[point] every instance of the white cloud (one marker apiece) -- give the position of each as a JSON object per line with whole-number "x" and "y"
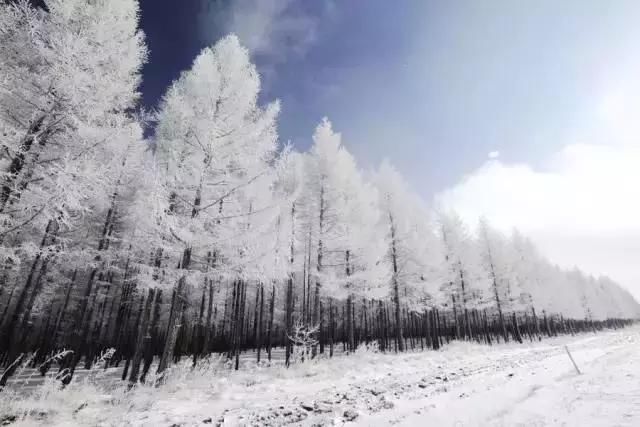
{"x": 583, "y": 209}
{"x": 494, "y": 154}
{"x": 585, "y": 188}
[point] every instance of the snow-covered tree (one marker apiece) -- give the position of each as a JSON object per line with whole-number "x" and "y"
{"x": 67, "y": 91}
{"x": 215, "y": 146}
{"x": 340, "y": 213}
{"x": 402, "y": 220}
{"x": 495, "y": 255}
{"x": 163, "y": 243}
{"x": 463, "y": 282}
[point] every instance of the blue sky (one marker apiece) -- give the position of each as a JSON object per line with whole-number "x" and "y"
{"x": 435, "y": 86}
{"x": 432, "y": 85}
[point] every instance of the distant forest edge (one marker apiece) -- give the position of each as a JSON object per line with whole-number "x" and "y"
{"x": 210, "y": 236}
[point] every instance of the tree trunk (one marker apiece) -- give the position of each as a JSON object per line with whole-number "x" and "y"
{"x": 261, "y": 325}
{"x": 255, "y": 318}
{"x": 206, "y": 345}
{"x": 288, "y": 319}
{"x": 233, "y": 320}
{"x": 198, "y": 332}
{"x": 26, "y": 317}
{"x": 396, "y": 286}
{"x": 173, "y": 326}
{"x": 331, "y": 327}
{"x": 18, "y": 162}
{"x": 10, "y": 329}
{"x": 270, "y": 328}
{"x": 241, "y": 322}
{"x": 153, "y": 335}
{"x": 142, "y": 339}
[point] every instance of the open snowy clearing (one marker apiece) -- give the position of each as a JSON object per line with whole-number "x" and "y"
{"x": 462, "y": 385}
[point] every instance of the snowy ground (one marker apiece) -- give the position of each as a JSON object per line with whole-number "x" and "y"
{"x": 462, "y": 385}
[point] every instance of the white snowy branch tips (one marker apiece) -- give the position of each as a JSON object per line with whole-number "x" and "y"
{"x": 64, "y": 119}
{"x": 215, "y": 148}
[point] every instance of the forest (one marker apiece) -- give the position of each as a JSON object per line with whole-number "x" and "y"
{"x": 155, "y": 236}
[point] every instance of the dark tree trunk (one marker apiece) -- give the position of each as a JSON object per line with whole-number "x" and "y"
{"x": 19, "y": 160}
{"x": 10, "y": 329}
{"x": 331, "y": 327}
{"x": 270, "y": 327}
{"x": 153, "y": 335}
{"x": 261, "y": 325}
{"x": 206, "y": 345}
{"x": 396, "y": 286}
{"x": 288, "y": 318}
{"x": 198, "y": 332}
{"x": 234, "y": 319}
{"x": 316, "y": 301}
{"x": 143, "y": 339}
{"x": 172, "y": 326}
{"x": 241, "y": 322}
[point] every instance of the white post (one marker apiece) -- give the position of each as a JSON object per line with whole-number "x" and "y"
{"x": 572, "y": 361}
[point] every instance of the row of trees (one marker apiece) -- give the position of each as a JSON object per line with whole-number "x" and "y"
{"x": 210, "y": 235}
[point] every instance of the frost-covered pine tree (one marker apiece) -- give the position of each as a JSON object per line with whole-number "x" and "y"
{"x": 495, "y": 256}
{"x": 67, "y": 90}
{"x": 340, "y": 212}
{"x": 215, "y": 146}
{"x": 527, "y": 265}
{"x": 321, "y": 204}
{"x": 401, "y": 218}
{"x": 462, "y": 281}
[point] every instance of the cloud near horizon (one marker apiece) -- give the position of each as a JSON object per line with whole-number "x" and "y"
{"x": 582, "y": 204}
{"x": 582, "y": 208}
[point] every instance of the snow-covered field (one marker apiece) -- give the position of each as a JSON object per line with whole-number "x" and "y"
{"x": 462, "y": 385}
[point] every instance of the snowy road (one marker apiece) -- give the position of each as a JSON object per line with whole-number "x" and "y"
{"x": 463, "y": 385}
{"x": 469, "y": 385}
{"x": 535, "y": 388}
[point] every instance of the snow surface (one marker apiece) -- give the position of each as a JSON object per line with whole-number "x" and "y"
{"x": 462, "y": 385}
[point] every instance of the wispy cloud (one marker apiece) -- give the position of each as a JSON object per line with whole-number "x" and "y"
{"x": 271, "y": 29}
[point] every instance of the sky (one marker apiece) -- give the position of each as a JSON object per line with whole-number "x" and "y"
{"x": 525, "y": 112}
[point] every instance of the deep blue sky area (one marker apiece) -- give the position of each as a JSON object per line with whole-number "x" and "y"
{"x": 434, "y": 86}
{"x": 172, "y": 36}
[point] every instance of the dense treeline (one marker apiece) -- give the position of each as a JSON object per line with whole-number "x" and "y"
{"x": 210, "y": 236}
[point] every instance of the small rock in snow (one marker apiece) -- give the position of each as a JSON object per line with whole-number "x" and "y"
{"x": 306, "y": 406}
{"x": 350, "y": 415}
{"x": 207, "y": 420}
{"x": 8, "y": 419}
